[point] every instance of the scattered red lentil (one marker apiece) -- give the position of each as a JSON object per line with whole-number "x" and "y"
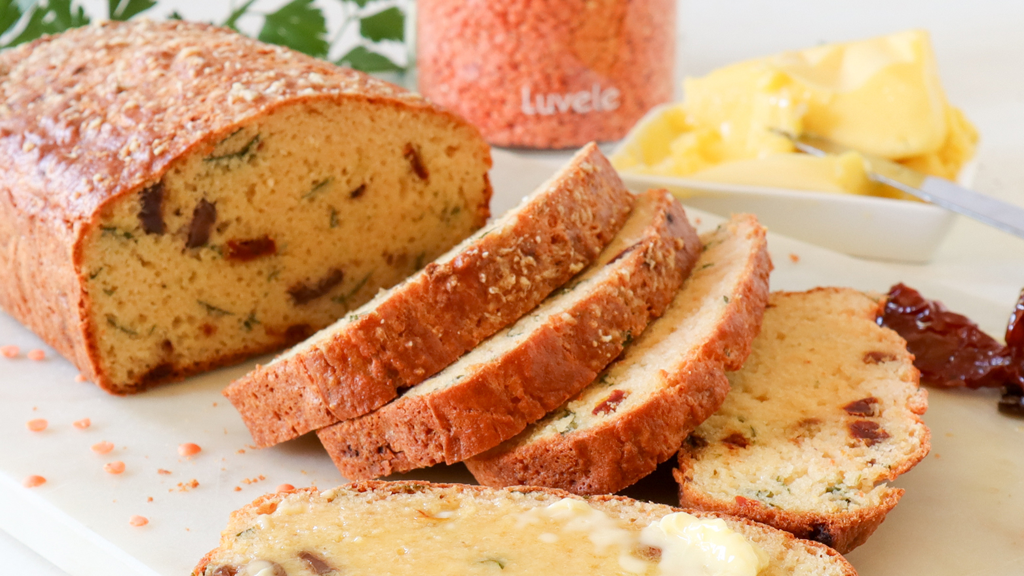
{"x": 794, "y": 257}
{"x": 240, "y": 451}
{"x": 149, "y": 499}
{"x": 285, "y": 488}
{"x": 253, "y": 480}
{"x": 162, "y": 471}
{"x": 82, "y": 424}
{"x": 115, "y": 467}
{"x": 186, "y": 486}
{"x": 547, "y": 73}
{"x": 10, "y": 351}
{"x": 37, "y": 425}
{"x": 33, "y": 481}
{"x": 238, "y": 488}
{"x": 189, "y": 449}
{"x": 138, "y": 521}
{"x": 81, "y": 378}
{"x": 36, "y": 355}
{"x": 102, "y": 447}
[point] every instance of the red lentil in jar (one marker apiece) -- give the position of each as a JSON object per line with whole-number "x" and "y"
{"x": 547, "y": 73}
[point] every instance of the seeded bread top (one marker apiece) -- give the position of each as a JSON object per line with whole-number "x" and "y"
{"x": 101, "y": 111}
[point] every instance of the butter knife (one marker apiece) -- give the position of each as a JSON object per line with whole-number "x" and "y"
{"x": 938, "y": 191}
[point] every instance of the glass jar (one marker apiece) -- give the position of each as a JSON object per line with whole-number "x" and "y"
{"x": 547, "y": 73}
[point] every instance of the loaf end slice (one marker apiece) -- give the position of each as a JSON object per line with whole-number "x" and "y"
{"x": 410, "y": 333}
{"x": 176, "y": 196}
{"x": 521, "y": 373}
{"x": 636, "y": 414}
{"x": 357, "y": 528}
{"x": 825, "y": 412}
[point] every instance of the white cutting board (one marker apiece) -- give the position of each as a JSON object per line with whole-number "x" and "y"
{"x": 963, "y": 513}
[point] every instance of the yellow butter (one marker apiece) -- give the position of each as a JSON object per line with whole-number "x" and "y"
{"x": 881, "y": 96}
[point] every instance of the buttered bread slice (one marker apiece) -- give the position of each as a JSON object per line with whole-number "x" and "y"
{"x": 175, "y": 196}
{"x": 521, "y": 373}
{"x": 636, "y": 414}
{"x": 825, "y": 412}
{"x": 422, "y": 529}
{"x": 409, "y": 333}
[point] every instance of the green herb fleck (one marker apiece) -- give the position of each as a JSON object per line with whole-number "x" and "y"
{"x": 213, "y": 310}
{"x": 97, "y": 272}
{"x": 353, "y": 317}
{"x": 708, "y": 265}
{"x": 246, "y": 532}
{"x": 112, "y": 321}
{"x": 248, "y": 148}
{"x": 114, "y": 232}
{"x": 726, "y": 298}
{"x": 273, "y": 274}
{"x": 499, "y": 561}
{"x": 317, "y": 187}
{"x": 334, "y": 217}
{"x": 249, "y": 322}
{"x": 343, "y": 298}
{"x": 109, "y": 291}
{"x": 628, "y": 339}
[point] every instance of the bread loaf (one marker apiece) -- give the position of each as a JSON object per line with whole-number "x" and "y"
{"x": 637, "y": 413}
{"x": 823, "y": 415}
{"x": 519, "y": 374}
{"x": 410, "y": 333}
{"x": 422, "y": 529}
{"x": 175, "y": 196}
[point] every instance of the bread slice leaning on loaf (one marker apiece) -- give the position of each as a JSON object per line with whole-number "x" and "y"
{"x": 408, "y": 334}
{"x": 175, "y": 196}
{"x": 825, "y": 412}
{"x": 423, "y": 529}
{"x": 636, "y": 414}
{"x": 520, "y": 373}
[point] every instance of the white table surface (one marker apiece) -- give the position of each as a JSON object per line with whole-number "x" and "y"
{"x": 981, "y": 54}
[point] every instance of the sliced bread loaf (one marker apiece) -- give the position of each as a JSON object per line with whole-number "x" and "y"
{"x": 521, "y": 373}
{"x": 422, "y": 529}
{"x": 409, "y": 333}
{"x": 636, "y": 414}
{"x": 823, "y": 414}
{"x": 176, "y": 196}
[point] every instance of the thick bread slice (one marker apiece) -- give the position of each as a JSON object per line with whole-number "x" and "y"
{"x": 408, "y": 334}
{"x": 637, "y": 413}
{"x": 423, "y": 529}
{"x": 825, "y": 411}
{"x": 518, "y": 375}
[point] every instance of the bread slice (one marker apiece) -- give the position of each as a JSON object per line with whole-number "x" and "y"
{"x": 175, "y": 196}
{"x": 423, "y": 529}
{"x": 823, "y": 414}
{"x": 521, "y": 373}
{"x": 408, "y": 334}
{"x": 636, "y": 414}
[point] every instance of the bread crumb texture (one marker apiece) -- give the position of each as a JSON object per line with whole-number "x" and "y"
{"x": 417, "y": 528}
{"x": 824, "y": 413}
{"x": 216, "y": 197}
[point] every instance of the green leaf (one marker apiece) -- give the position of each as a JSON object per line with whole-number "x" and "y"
{"x": 175, "y": 15}
{"x": 50, "y": 18}
{"x": 10, "y": 13}
{"x": 124, "y": 9}
{"x": 298, "y": 25}
{"x": 232, "y": 20}
{"x": 362, "y": 59}
{"x": 384, "y": 25}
